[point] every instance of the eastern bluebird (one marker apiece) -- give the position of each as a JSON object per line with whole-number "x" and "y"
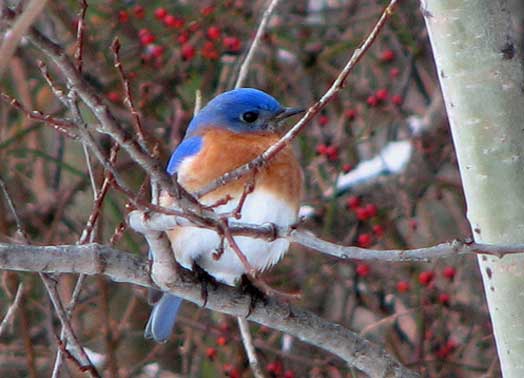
{"x": 231, "y": 130}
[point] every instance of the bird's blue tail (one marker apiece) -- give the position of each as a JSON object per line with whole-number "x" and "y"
{"x": 162, "y": 320}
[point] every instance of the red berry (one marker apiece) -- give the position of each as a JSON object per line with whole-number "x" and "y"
{"x": 372, "y": 210}
{"x": 332, "y": 153}
{"x": 213, "y": 32}
{"x": 206, "y": 11}
{"x": 353, "y": 202}
{"x": 445, "y": 350}
{"x": 172, "y": 22}
{"x": 394, "y": 72}
{"x": 346, "y": 168}
{"x": 157, "y": 51}
{"x": 382, "y": 94}
{"x": 364, "y": 240}
{"x": 289, "y": 374}
{"x": 211, "y": 353}
{"x": 147, "y": 38}
{"x": 188, "y": 51}
{"x": 321, "y": 149}
{"x": 378, "y": 230}
{"x": 372, "y": 101}
{"x": 183, "y": 37}
{"x": 231, "y": 371}
{"x": 209, "y": 51}
{"x": 451, "y": 345}
{"x": 443, "y": 299}
{"x": 113, "y": 96}
{"x": 387, "y": 56}
{"x": 403, "y": 286}
{"x": 350, "y": 114}
{"x": 425, "y": 277}
{"x": 160, "y": 13}
{"x": 323, "y": 120}
{"x": 221, "y": 340}
{"x": 449, "y": 272}
{"x": 397, "y": 100}
{"x": 139, "y": 11}
{"x": 362, "y": 214}
{"x": 123, "y": 16}
{"x": 362, "y": 269}
{"x": 274, "y": 368}
{"x": 231, "y": 44}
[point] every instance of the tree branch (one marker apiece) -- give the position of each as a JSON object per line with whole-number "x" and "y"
{"x": 157, "y": 222}
{"x": 124, "y": 267}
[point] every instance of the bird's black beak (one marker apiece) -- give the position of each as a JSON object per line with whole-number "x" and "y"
{"x": 286, "y": 113}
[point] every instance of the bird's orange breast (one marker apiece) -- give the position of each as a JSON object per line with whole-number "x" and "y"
{"x": 223, "y": 150}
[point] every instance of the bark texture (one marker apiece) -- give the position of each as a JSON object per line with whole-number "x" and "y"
{"x": 481, "y": 76}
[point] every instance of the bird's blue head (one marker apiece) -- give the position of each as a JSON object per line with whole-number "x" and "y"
{"x": 241, "y": 110}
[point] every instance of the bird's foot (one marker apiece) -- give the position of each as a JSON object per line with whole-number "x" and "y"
{"x": 255, "y": 293}
{"x": 185, "y": 275}
{"x": 205, "y": 279}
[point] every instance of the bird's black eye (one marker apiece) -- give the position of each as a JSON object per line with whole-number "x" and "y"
{"x": 249, "y": 117}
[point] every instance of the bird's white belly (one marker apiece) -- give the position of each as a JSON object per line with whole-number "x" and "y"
{"x": 192, "y": 244}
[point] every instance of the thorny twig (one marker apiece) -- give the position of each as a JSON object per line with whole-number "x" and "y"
{"x": 61, "y": 125}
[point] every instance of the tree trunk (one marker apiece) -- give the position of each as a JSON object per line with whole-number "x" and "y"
{"x": 481, "y": 76}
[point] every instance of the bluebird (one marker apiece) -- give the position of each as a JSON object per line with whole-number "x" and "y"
{"x": 232, "y": 129}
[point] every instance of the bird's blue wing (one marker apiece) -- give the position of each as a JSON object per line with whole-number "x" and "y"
{"x": 162, "y": 319}
{"x": 189, "y": 147}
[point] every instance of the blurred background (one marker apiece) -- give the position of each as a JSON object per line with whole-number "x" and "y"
{"x": 380, "y": 172}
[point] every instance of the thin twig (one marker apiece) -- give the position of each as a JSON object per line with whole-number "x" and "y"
{"x": 90, "y": 170}
{"x": 9, "y": 316}
{"x": 128, "y": 97}
{"x": 244, "y": 68}
{"x": 160, "y": 222}
{"x": 243, "y": 325}
{"x": 61, "y": 125}
{"x": 80, "y": 29}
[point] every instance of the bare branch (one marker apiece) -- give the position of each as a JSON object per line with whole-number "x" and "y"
{"x": 243, "y": 325}
{"x": 124, "y": 267}
{"x": 128, "y": 98}
{"x": 161, "y": 222}
{"x": 258, "y": 36}
{"x": 61, "y": 125}
{"x": 9, "y": 316}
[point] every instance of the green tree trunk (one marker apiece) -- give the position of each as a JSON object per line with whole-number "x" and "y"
{"x": 481, "y": 76}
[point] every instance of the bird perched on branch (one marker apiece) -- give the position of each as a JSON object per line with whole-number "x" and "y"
{"x": 230, "y": 131}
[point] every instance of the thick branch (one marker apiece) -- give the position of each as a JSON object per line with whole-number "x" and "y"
{"x": 124, "y": 267}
